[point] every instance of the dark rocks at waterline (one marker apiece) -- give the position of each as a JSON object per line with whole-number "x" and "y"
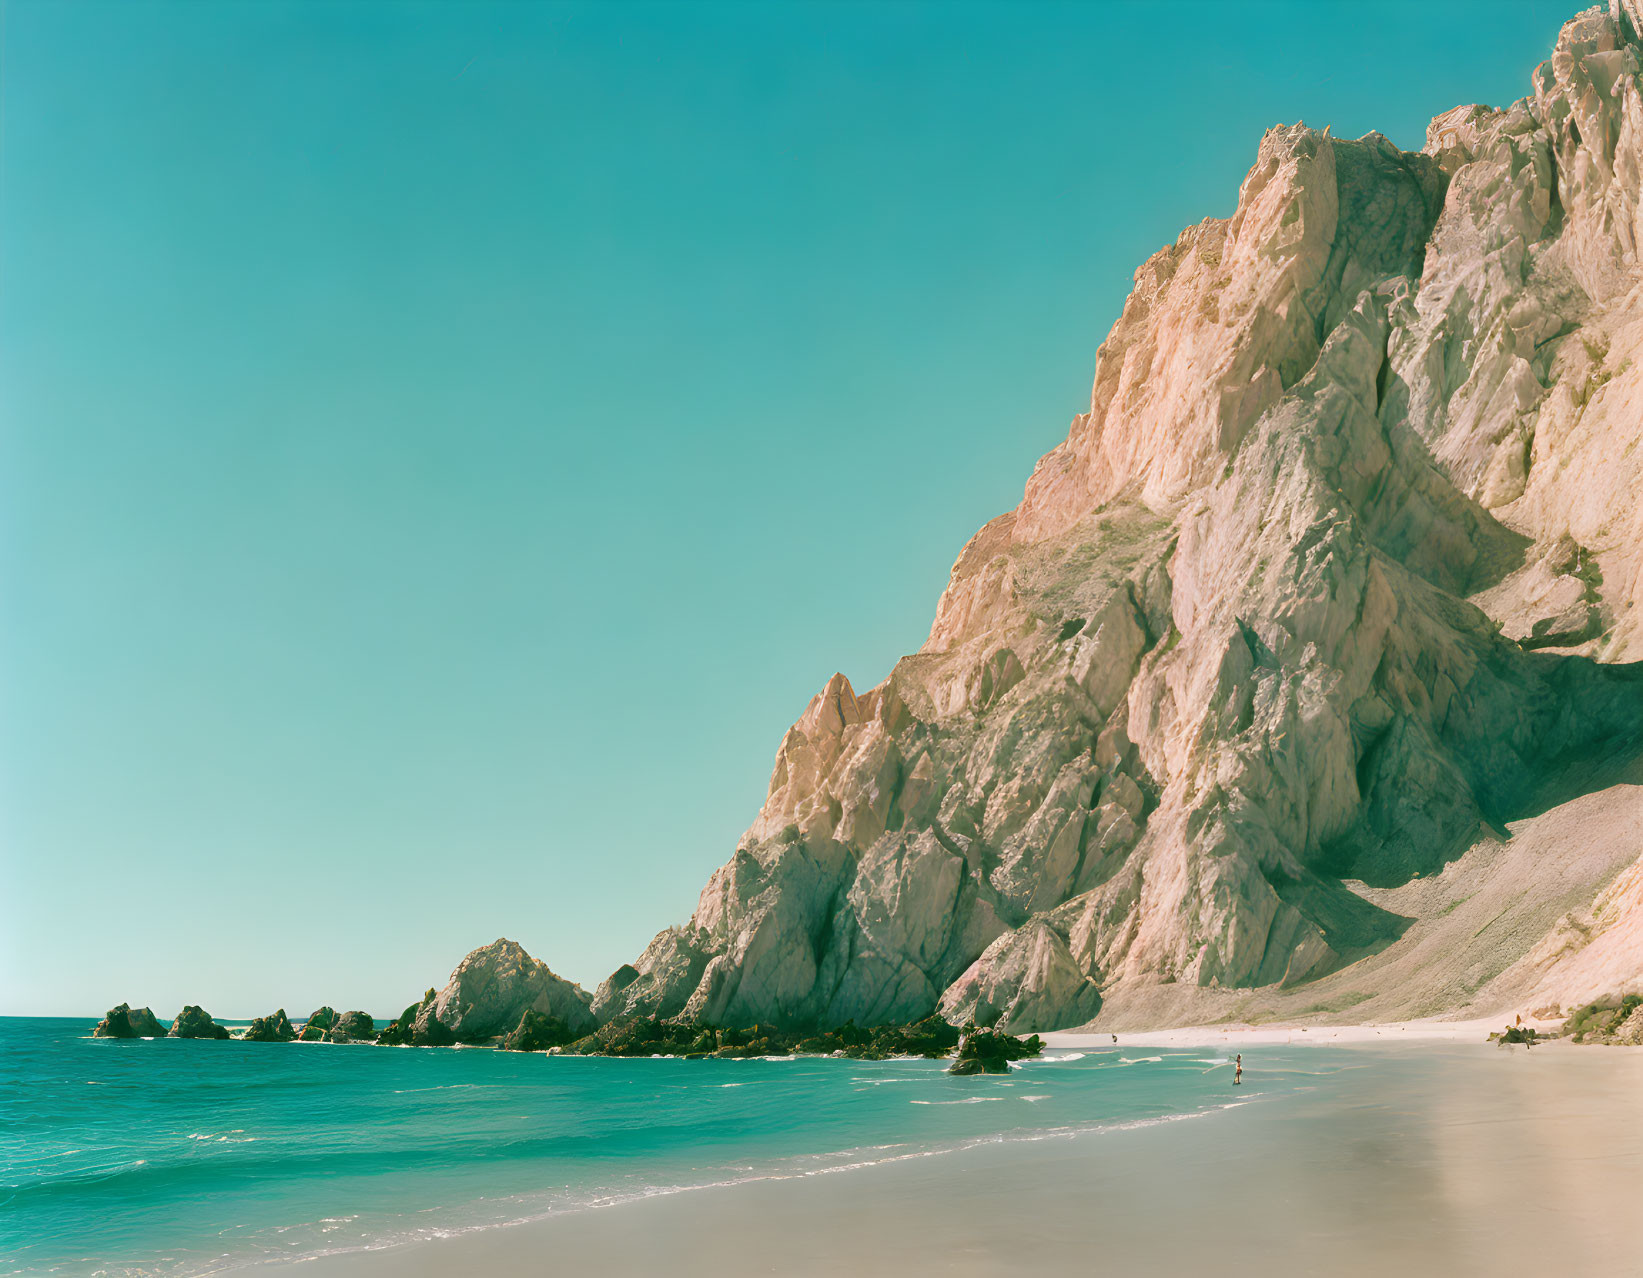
{"x": 270, "y": 1029}
{"x": 643, "y": 1036}
{"x": 980, "y": 1051}
{"x": 537, "y": 1032}
{"x": 649, "y": 1036}
{"x": 493, "y": 987}
{"x": 196, "y": 1022}
{"x": 327, "y": 1025}
{"x": 125, "y": 1021}
{"x": 931, "y": 1037}
{"x": 984, "y": 1051}
{"x": 318, "y": 1025}
{"x": 352, "y": 1027}
{"x": 397, "y": 1032}
{"x": 416, "y": 1026}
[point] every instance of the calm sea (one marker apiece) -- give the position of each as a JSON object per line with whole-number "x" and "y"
{"x": 172, "y": 1157}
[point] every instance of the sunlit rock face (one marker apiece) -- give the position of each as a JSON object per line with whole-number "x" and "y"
{"x": 493, "y": 987}
{"x": 1342, "y": 561}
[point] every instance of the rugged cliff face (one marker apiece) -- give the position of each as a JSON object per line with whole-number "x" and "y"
{"x": 1335, "y": 581}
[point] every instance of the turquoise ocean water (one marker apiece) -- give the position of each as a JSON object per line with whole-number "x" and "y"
{"x": 174, "y": 1158}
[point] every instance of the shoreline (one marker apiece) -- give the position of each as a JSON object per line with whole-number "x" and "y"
{"x": 1233, "y": 1034}
{"x": 1478, "y": 1157}
{"x": 1093, "y": 1170}
{"x": 1430, "y": 1030}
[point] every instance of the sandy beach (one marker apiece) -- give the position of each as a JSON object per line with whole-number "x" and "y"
{"x": 1417, "y": 1156}
{"x": 1237, "y": 1037}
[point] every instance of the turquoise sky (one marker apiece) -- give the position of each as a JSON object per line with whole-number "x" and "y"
{"x": 442, "y": 448}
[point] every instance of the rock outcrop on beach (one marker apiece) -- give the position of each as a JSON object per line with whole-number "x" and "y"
{"x": 196, "y": 1022}
{"x": 270, "y": 1029}
{"x": 128, "y": 1022}
{"x": 493, "y": 987}
{"x": 1615, "y": 1020}
{"x": 1332, "y": 591}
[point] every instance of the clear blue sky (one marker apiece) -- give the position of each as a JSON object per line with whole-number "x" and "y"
{"x": 442, "y": 448}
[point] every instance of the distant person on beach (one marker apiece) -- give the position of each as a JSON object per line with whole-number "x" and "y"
{"x": 1238, "y": 1069}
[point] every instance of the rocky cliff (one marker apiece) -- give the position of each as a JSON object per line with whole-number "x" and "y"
{"x": 1332, "y": 589}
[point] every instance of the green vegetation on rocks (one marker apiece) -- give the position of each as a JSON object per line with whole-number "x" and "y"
{"x": 318, "y": 1025}
{"x": 196, "y": 1022}
{"x": 648, "y": 1036}
{"x": 123, "y": 1022}
{"x": 352, "y": 1027}
{"x": 126, "y": 1022}
{"x": 985, "y": 1051}
{"x": 537, "y": 1032}
{"x": 1606, "y": 1020}
{"x": 270, "y": 1029}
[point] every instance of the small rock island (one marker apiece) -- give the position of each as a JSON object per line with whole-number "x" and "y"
{"x": 499, "y": 996}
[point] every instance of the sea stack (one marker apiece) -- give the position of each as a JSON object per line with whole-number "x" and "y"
{"x": 318, "y": 1025}
{"x": 128, "y": 1022}
{"x": 491, "y": 990}
{"x": 352, "y": 1027}
{"x": 270, "y": 1029}
{"x": 196, "y": 1022}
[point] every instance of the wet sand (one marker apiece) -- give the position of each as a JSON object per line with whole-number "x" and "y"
{"x": 1414, "y": 1159}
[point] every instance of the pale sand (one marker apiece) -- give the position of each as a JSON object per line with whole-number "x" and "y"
{"x": 1426, "y": 1160}
{"x": 1238, "y": 1036}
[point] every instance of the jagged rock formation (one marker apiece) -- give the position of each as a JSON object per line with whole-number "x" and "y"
{"x": 196, "y": 1022}
{"x": 352, "y": 1027}
{"x": 128, "y": 1022}
{"x": 412, "y": 1029}
{"x": 491, "y": 990}
{"x": 1340, "y": 565}
{"x": 537, "y": 1032}
{"x": 984, "y": 1051}
{"x": 318, "y": 1025}
{"x": 270, "y": 1029}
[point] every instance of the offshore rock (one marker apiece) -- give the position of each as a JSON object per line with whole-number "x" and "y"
{"x": 1342, "y": 563}
{"x": 984, "y": 1051}
{"x": 352, "y": 1027}
{"x": 196, "y": 1022}
{"x": 127, "y": 1022}
{"x": 318, "y": 1025}
{"x": 270, "y": 1029}
{"x": 493, "y": 987}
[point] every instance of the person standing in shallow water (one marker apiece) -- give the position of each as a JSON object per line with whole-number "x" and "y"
{"x": 1238, "y": 1069}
